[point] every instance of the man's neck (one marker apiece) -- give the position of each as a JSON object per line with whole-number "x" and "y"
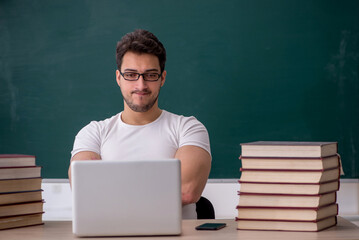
{"x": 131, "y": 117}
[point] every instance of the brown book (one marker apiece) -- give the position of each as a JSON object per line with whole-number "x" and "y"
{"x": 287, "y": 213}
{"x": 20, "y": 185}
{"x": 289, "y": 188}
{"x": 290, "y": 163}
{"x": 282, "y": 200}
{"x": 20, "y": 197}
{"x": 21, "y": 209}
{"x": 20, "y": 172}
{"x": 303, "y": 226}
{"x": 16, "y": 160}
{"x": 289, "y": 176}
{"x": 20, "y": 221}
{"x": 289, "y": 149}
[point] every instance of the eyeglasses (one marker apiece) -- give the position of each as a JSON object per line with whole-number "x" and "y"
{"x": 132, "y": 76}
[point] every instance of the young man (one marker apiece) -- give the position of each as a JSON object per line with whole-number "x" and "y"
{"x": 142, "y": 130}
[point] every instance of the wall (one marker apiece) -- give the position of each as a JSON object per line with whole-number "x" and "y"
{"x": 222, "y": 194}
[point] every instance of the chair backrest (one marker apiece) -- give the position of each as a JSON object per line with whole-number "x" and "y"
{"x": 204, "y": 209}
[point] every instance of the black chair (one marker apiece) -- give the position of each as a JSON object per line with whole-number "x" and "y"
{"x": 204, "y": 209}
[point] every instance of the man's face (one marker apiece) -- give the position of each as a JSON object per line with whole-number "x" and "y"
{"x": 140, "y": 95}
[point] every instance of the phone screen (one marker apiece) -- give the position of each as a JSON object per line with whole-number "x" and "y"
{"x": 211, "y": 226}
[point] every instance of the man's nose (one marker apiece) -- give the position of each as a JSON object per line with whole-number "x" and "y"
{"x": 141, "y": 83}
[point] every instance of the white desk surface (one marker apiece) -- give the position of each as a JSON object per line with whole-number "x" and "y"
{"x": 59, "y": 230}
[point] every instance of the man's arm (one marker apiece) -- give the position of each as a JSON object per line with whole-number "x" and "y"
{"x": 86, "y": 155}
{"x": 195, "y": 168}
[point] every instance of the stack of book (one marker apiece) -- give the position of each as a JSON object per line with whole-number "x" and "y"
{"x": 288, "y": 186}
{"x": 21, "y": 202}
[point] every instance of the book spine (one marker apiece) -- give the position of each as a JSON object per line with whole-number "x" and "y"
{"x": 16, "y": 156}
{"x": 288, "y": 170}
{"x": 287, "y": 208}
{"x": 288, "y": 158}
{"x": 27, "y": 191}
{"x": 26, "y": 214}
{"x": 294, "y": 183}
{"x": 280, "y": 220}
{"x": 285, "y": 195}
{"x": 20, "y": 167}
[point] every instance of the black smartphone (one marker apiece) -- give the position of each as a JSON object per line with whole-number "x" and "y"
{"x": 211, "y": 226}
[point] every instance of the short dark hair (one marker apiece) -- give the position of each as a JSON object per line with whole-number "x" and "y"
{"x": 140, "y": 41}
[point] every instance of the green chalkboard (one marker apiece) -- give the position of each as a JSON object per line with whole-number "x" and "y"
{"x": 249, "y": 70}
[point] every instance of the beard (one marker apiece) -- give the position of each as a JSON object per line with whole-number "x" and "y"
{"x": 141, "y": 108}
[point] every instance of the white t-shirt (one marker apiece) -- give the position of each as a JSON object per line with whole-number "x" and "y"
{"x": 115, "y": 140}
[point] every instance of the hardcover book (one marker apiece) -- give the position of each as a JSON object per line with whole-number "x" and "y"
{"x": 289, "y": 149}
{"x": 16, "y": 160}
{"x": 20, "y": 221}
{"x": 282, "y": 200}
{"x": 289, "y": 176}
{"x": 304, "y": 226}
{"x": 20, "y": 185}
{"x": 21, "y": 209}
{"x": 289, "y": 188}
{"x": 20, "y": 197}
{"x": 290, "y": 163}
{"x": 287, "y": 213}
{"x": 20, "y": 172}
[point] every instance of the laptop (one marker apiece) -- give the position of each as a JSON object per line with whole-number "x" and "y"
{"x": 126, "y": 198}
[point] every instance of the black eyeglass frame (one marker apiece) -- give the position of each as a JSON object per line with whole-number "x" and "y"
{"x": 143, "y": 76}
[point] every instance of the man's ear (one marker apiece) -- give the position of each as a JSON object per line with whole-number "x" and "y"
{"x": 163, "y": 77}
{"x": 118, "y": 77}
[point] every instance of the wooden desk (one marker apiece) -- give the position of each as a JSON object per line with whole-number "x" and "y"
{"x": 57, "y": 230}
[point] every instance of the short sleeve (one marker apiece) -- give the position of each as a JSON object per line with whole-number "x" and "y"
{"x": 88, "y": 139}
{"x": 193, "y": 132}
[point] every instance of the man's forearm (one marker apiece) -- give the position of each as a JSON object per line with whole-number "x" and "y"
{"x": 195, "y": 168}
{"x": 87, "y": 155}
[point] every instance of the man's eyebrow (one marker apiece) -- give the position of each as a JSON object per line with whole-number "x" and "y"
{"x": 130, "y": 70}
{"x": 147, "y": 70}
{"x": 152, "y": 70}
